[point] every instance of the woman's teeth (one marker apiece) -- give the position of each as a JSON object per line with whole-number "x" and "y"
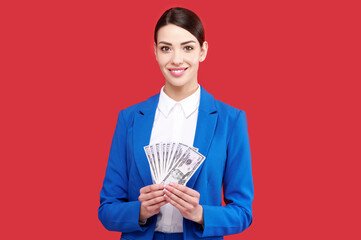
{"x": 178, "y": 72}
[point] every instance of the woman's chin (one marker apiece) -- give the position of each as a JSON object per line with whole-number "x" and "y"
{"x": 175, "y": 84}
{"x": 178, "y": 83}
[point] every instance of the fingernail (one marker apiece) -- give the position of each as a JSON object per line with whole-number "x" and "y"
{"x": 172, "y": 184}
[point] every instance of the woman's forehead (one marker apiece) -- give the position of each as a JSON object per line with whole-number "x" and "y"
{"x": 174, "y": 34}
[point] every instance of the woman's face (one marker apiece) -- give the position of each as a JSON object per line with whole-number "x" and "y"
{"x": 178, "y": 54}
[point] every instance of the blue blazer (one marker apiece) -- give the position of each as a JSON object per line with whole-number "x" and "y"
{"x": 221, "y": 136}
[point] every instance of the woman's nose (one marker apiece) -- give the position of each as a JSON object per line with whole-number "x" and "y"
{"x": 177, "y": 58}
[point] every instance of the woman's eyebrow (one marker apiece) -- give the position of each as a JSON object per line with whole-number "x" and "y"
{"x": 183, "y": 43}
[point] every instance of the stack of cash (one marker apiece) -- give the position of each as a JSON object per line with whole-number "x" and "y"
{"x": 173, "y": 162}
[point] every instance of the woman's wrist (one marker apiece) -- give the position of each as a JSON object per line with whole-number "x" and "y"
{"x": 142, "y": 222}
{"x": 199, "y": 218}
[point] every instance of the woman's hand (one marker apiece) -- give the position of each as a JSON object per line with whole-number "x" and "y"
{"x": 151, "y": 198}
{"x": 186, "y": 200}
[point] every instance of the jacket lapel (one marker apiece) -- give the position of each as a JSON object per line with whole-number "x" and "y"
{"x": 143, "y": 124}
{"x": 206, "y": 125}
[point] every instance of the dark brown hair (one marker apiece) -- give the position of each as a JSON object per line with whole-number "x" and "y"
{"x": 183, "y": 18}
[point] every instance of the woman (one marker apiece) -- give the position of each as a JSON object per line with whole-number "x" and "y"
{"x": 183, "y": 112}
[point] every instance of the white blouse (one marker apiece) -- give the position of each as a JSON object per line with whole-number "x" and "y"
{"x": 174, "y": 122}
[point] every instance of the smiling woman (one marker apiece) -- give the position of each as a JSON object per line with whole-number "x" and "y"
{"x": 178, "y": 53}
{"x": 184, "y": 114}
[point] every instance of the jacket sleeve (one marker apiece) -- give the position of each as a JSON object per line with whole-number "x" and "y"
{"x": 116, "y": 212}
{"x": 236, "y": 216}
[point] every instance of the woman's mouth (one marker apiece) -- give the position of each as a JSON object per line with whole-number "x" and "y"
{"x": 177, "y": 72}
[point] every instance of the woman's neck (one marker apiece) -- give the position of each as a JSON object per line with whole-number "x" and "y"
{"x": 178, "y": 93}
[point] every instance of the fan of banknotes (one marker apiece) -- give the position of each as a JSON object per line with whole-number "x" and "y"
{"x": 173, "y": 162}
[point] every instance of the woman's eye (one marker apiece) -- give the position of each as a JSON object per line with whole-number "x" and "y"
{"x": 188, "y": 48}
{"x": 164, "y": 48}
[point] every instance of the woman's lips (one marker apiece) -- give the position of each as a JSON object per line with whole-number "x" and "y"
{"x": 177, "y": 72}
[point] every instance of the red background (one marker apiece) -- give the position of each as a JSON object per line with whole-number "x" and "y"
{"x": 68, "y": 67}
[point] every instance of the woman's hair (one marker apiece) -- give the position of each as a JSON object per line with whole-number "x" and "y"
{"x": 183, "y": 18}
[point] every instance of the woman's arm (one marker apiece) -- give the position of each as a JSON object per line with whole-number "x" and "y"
{"x": 236, "y": 216}
{"x": 116, "y": 212}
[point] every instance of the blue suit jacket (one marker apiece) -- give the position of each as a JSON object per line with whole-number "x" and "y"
{"x": 221, "y": 135}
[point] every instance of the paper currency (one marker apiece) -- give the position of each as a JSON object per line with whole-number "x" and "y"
{"x": 185, "y": 167}
{"x": 173, "y": 162}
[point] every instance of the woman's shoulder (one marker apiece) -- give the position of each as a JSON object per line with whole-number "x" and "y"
{"x": 227, "y": 108}
{"x": 230, "y": 113}
{"x": 222, "y": 108}
{"x": 139, "y": 108}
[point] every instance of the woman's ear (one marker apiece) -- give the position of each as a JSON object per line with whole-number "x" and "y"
{"x": 204, "y": 51}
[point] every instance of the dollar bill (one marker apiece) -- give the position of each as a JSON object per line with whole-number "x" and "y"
{"x": 172, "y": 162}
{"x": 172, "y": 149}
{"x": 185, "y": 167}
{"x": 163, "y": 156}
{"x": 181, "y": 148}
{"x": 155, "y": 161}
{"x": 151, "y": 163}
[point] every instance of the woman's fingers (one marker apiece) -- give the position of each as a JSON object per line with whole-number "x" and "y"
{"x": 177, "y": 201}
{"x": 183, "y": 194}
{"x": 186, "y": 200}
{"x": 153, "y": 197}
{"x": 153, "y": 206}
{"x": 154, "y": 201}
{"x": 193, "y": 212}
{"x": 175, "y": 204}
{"x": 150, "y": 192}
{"x": 147, "y": 210}
{"x": 151, "y": 188}
{"x": 185, "y": 189}
{"x": 150, "y": 195}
